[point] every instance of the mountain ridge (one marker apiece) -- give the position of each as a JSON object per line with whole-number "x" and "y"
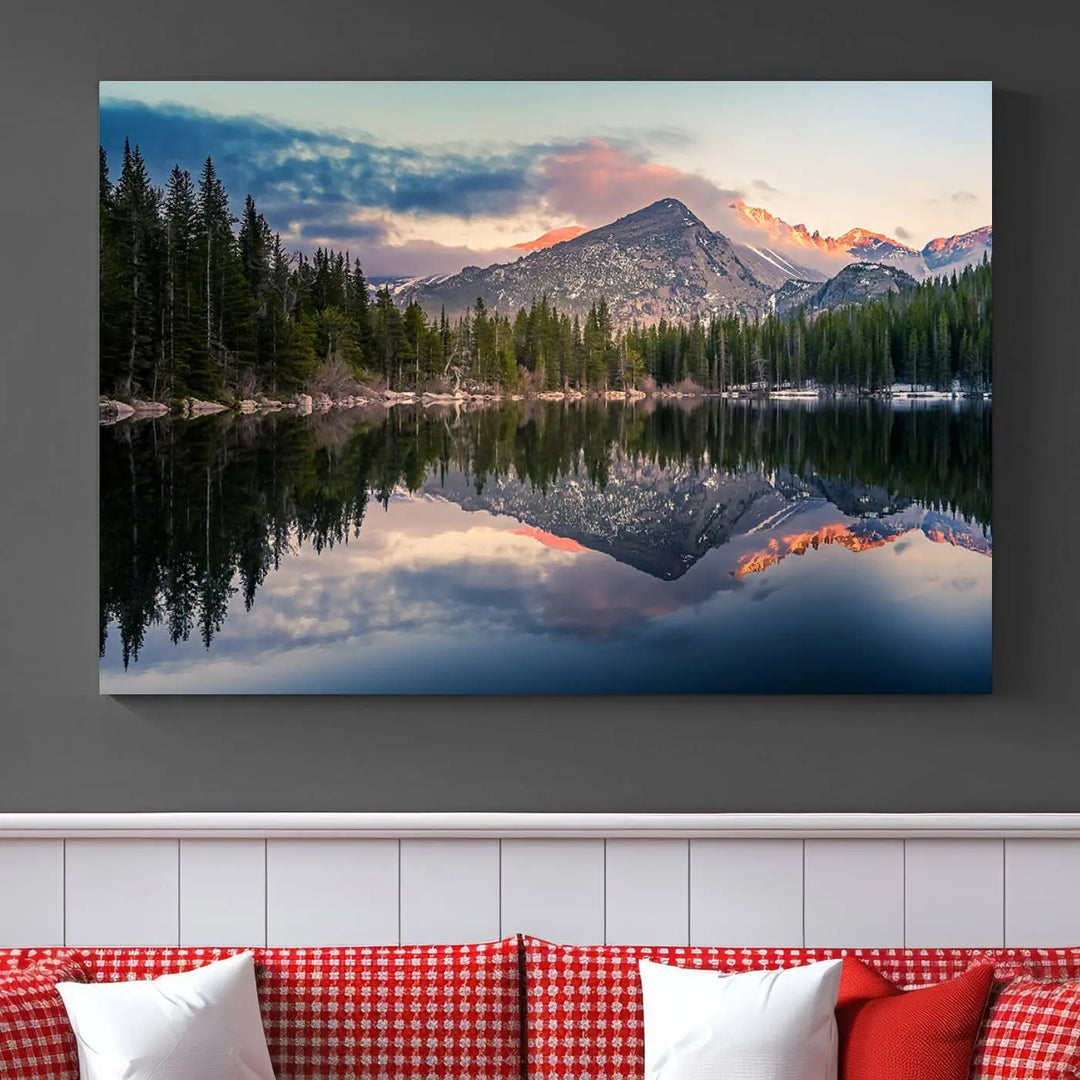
{"x": 867, "y": 246}
{"x": 660, "y": 261}
{"x": 663, "y": 262}
{"x": 856, "y": 283}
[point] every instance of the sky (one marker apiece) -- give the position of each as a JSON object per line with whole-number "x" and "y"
{"x": 426, "y": 177}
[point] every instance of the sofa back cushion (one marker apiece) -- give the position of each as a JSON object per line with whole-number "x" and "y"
{"x": 385, "y": 1012}
{"x": 584, "y": 1017}
{"x": 36, "y": 1039}
{"x": 1031, "y": 963}
{"x": 1031, "y": 1032}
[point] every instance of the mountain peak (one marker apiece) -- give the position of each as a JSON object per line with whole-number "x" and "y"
{"x": 663, "y": 212}
{"x": 659, "y": 262}
{"x": 856, "y": 283}
{"x": 859, "y": 241}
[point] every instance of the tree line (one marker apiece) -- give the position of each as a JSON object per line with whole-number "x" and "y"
{"x": 194, "y": 301}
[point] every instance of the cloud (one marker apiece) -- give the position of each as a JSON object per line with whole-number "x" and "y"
{"x": 294, "y": 175}
{"x": 598, "y": 181}
{"x": 964, "y": 198}
{"x": 901, "y": 233}
{"x": 764, "y": 185}
{"x": 407, "y": 209}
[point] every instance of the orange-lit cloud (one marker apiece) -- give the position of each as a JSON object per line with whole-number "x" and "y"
{"x": 598, "y": 182}
{"x": 559, "y": 543}
{"x": 551, "y": 237}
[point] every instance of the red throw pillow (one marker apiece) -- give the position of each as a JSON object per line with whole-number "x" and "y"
{"x": 1032, "y": 1032}
{"x": 36, "y": 1038}
{"x": 891, "y": 1034}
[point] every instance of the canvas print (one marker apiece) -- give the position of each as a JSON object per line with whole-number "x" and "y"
{"x": 545, "y": 387}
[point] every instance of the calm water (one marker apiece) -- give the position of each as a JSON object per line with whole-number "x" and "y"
{"x": 549, "y": 548}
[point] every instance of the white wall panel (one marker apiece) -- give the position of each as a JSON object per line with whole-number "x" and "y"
{"x": 31, "y": 892}
{"x": 954, "y": 893}
{"x": 956, "y": 888}
{"x": 449, "y": 891}
{"x": 122, "y": 892}
{"x": 746, "y": 892}
{"x": 1042, "y": 892}
{"x": 554, "y": 889}
{"x": 332, "y": 892}
{"x": 647, "y": 893}
{"x": 854, "y": 893}
{"x": 222, "y": 892}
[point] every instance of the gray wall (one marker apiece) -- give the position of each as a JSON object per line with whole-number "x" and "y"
{"x": 64, "y": 748}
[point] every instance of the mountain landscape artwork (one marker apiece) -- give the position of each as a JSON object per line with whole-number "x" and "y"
{"x": 545, "y": 387}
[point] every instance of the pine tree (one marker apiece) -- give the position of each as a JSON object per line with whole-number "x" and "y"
{"x": 216, "y": 247}
{"x": 358, "y": 309}
{"x": 138, "y": 238}
{"x": 255, "y": 246}
{"x": 114, "y": 289}
{"x": 183, "y": 303}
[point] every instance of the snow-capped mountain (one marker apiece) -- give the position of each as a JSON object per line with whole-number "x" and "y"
{"x": 663, "y": 519}
{"x": 969, "y": 247}
{"x": 867, "y": 246}
{"x": 663, "y": 262}
{"x": 659, "y": 262}
{"x": 772, "y": 268}
{"x": 855, "y": 284}
{"x": 658, "y": 519}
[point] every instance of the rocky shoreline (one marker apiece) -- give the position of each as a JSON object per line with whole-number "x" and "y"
{"x": 112, "y": 411}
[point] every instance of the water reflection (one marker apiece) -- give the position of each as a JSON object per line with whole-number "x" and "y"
{"x": 542, "y": 547}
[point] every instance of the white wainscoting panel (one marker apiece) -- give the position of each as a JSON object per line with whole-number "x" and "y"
{"x": 222, "y": 892}
{"x": 854, "y": 893}
{"x": 122, "y": 892}
{"x": 31, "y": 892}
{"x": 1042, "y": 892}
{"x": 647, "y": 899}
{"x": 449, "y": 891}
{"x": 554, "y": 889}
{"x": 954, "y": 893}
{"x": 332, "y": 892}
{"x": 727, "y": 880}
{"x": 746, "y": 892}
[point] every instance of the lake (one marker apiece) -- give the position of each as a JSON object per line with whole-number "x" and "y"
{"x": 682, "y": 546}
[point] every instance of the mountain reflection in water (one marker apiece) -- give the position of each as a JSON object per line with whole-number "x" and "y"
{"x": 543, "y": 547}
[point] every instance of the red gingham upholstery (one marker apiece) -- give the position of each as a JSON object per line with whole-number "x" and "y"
{"x": 1033, "y": 963}
{"x": 583, "y": 1002}
{"x": 452, "y": 1012}
{"x": 409, "y": 1012}
{"x": 1032, "y": 1032}
{"x": 36, "y": 1039}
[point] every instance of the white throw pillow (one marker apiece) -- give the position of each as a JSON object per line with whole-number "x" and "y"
{"x": 192, "y": 1026}
{"x": 756, "y": 1025}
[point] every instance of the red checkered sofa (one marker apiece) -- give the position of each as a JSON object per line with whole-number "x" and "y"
{"x": 523, "y": 1007}
{"x": 584, "y": 1017}
{"x": 442, "y": 1012}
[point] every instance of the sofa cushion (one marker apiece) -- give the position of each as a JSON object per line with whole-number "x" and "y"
{"x": 927, "y": 1033}
{"x": 380, "y": 1012}
{"x": 1031, "y": 963}
{"x": 1031, "y": 1032}
{"x": 36, "y": 1039}
{"x": 173, "y": 1027}
{"x": 583, "y": 1002}
{"x": 755, "y": 1025}
{"x": 397, "y": 1012}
